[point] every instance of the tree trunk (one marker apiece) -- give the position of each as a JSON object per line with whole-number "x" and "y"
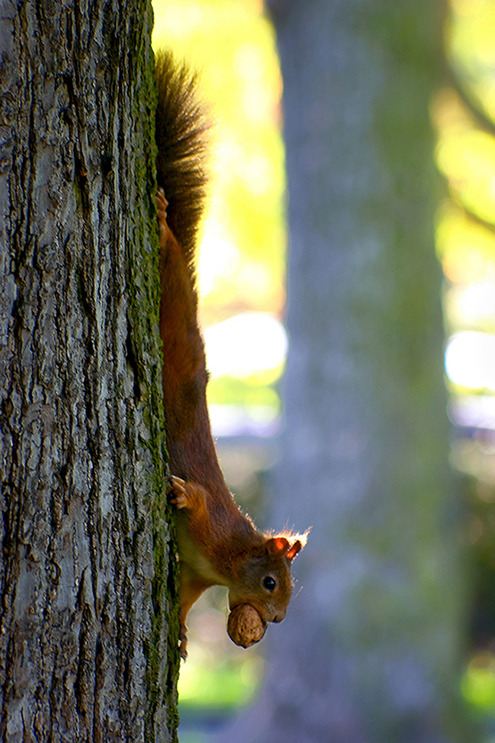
{"x": 87, "y": 649}
{"x": 371, "y": 646}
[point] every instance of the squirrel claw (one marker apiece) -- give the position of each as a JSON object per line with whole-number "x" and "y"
{"x": 183, "y": 642}
{"x": 161, "y": 202}
{"x": 177, "y": 487}
{"x": 183, "y": 649}
{"x": 161, "y": 209}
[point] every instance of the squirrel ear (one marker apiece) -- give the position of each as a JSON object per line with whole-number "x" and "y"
{"x": 277, "y": 546}
{"x": 280, "y": 546}
{"x": 297, "y": 544}
{"x": 296, "y": 547}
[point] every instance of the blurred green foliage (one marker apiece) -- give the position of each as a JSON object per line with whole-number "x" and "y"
{"x": 464, "y": 114}
{"x": 478, "y": 684}
{"x": 241, "y": 256}
{"x": 229, "y": 684}
{"x": 242, "y": 251}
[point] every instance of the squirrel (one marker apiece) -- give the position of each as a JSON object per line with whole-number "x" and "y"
{"x": 217, "y": 543}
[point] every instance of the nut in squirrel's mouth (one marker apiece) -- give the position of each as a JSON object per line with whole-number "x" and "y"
{"x": 245, "y": 625}
{"x": 276, "y": 617}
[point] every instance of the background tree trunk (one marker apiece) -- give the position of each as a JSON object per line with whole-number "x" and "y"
{"x": 370, "y": 649}
{"x": 87, "y": 650}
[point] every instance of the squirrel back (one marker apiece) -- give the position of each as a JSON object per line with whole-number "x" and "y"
{"x": 181, "y": 137}
{"x": 217, "y": 543}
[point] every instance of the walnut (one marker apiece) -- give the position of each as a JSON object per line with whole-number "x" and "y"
{"x": 245, "y": 626}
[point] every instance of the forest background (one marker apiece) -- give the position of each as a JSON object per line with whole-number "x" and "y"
{"x": 241, "y": 281}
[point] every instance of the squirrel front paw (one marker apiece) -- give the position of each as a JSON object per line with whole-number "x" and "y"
{"x": 177, "y": 492}
{"x": 183, "y": 642}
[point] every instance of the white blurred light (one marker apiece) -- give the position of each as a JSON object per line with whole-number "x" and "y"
{"x": 470, "y": 360}
{"x": 245, "y": 344}
{"x": 238, "y": 420}
{"x": 472, "y": 304}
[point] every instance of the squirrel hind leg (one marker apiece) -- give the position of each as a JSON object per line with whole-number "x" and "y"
{"x": 167, "y": 238}
{"x": 161, "y": 205}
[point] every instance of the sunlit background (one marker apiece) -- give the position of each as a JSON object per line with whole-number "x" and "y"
{"x": 241, "y": 266}
{"x": 241, "y": 281}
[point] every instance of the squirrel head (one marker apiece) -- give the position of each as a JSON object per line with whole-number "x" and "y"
{"x": 264, "y": 579}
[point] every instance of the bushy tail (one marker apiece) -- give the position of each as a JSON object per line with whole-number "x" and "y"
{"x": 181, "y": 128}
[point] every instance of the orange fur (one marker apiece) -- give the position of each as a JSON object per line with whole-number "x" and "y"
{"x": 217, "y": 543}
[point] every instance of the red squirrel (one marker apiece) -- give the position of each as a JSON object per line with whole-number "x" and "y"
{"x": 218, "y": 545}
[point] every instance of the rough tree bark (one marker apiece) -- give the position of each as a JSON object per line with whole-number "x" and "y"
{"x": 87, "y": 646}
{"x": 370, "y": 650}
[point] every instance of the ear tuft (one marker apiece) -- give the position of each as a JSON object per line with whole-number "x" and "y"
{"x": 295, "y": 548}
{"x": 298, "y": 541}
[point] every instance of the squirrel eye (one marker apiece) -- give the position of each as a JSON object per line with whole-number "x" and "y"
{"x": 269, "y": 583}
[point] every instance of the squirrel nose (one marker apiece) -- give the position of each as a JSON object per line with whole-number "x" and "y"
{"x": 279, "y": 617}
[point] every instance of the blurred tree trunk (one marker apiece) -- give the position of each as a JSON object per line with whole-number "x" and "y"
{"x": 85, "y": 581}
{"x": 371, "y": 648}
